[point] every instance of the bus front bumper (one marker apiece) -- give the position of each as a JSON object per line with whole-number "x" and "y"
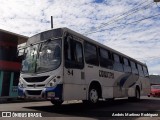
{"x": 42, "y": 93}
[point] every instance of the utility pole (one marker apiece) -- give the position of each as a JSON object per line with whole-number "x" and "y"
{"x": 51, "y": 22}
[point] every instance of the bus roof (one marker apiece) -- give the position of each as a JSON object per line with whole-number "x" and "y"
{"x": 64, "y": 29}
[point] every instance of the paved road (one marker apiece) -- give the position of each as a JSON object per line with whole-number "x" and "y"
{"x": 77, "y": 110}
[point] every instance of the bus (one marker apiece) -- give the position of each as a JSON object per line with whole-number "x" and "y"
{"x": 62, "y": 65}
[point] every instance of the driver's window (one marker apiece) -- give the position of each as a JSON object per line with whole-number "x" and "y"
{"x": 73, "y": 54}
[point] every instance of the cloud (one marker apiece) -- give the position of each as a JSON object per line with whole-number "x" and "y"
{"x": 139, "y": 40}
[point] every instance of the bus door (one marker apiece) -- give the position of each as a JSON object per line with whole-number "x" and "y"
{"x": 74, "y": 80}
{"x": 92, "y": 64}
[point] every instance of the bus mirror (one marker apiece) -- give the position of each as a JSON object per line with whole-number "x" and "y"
{"x": 17, "y": 53}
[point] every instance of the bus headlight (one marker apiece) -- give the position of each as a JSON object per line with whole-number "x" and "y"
{"x": 51, "y": 83}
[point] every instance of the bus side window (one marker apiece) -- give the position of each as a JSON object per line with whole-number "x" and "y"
{"x": 126, "y": 62}
{"x": 105, "y": 59}
{"x": 126, "y": 65}
{"x": 145, "y": 71}
{"x": 140, "y": 70}
{"x": 73, "y": 54}
{"x": 117, "y": 63}
{"x": 91, "y": 56}
{"x": 134, "y": 68}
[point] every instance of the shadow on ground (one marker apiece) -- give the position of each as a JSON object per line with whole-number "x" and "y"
{"x": 17, "y": 100}
{"x": 103, "y": 109}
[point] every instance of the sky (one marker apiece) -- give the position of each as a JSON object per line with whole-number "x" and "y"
{"x": 101, "y": 20}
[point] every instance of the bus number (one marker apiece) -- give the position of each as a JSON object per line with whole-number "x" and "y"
{"x": 70, "y": 72}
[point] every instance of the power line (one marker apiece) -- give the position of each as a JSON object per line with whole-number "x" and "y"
{"x": 126, "y": 24}
{"x": 106, "y": 24}
{"x": 128, "y": 11}
{"x": 115, "y": 20}
{"x": 135, "y": 10}
{"x": 119, "y": 36}
{"x": 132, "y": 9}
{"x": 122, "y": 32}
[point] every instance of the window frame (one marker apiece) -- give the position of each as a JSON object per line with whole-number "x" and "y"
{"x": 127, "y": 67}
{"x": 109, "y": 59}
{"x": 118, "y": 64}
{"x": 73, "y": 64}
{"x": 145, "y": 71}
{"x": 140, "y": 69}
{"x": 124, "y": 58}
{"x": 134, "y": 68}
{"x": 119, "y": 59}
{"x": 97, "y": 54}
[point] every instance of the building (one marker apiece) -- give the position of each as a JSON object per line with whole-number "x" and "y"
{"x": 155, "y": 79}
{"x": 10, "y": 64}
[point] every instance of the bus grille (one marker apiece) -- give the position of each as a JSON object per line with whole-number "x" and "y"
{"x": 34, "y": 92}
{"x": 42, "y": 85}
{"x": 36, "y": 79}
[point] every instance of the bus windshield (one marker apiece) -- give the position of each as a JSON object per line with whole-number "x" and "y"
{"x": 42, "y": 57}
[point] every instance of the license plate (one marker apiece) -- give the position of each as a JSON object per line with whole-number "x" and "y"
{"x": 51, "y": 94}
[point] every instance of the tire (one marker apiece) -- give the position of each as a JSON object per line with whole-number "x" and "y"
{"x": 93, "y": 95}
{"x": 57, "y": 102}
{"x": 137, "y": 97}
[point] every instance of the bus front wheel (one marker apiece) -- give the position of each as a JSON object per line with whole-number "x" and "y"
{"x": 93, "y": 95}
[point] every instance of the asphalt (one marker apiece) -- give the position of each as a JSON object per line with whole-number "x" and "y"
{"x": 77, "y": 110}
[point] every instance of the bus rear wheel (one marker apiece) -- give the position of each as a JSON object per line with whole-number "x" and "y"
{"x": 137, "y": 96}
{"x": 57, "y": 102}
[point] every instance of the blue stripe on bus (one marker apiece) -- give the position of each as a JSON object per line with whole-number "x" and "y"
{"x": 132, "y": 84}
{"x": 123, "y": 80}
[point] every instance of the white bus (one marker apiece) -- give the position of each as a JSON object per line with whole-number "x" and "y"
{"x": 62, "y": 65}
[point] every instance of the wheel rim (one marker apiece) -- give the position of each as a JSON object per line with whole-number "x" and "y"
{"x": 93, "y": 96}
